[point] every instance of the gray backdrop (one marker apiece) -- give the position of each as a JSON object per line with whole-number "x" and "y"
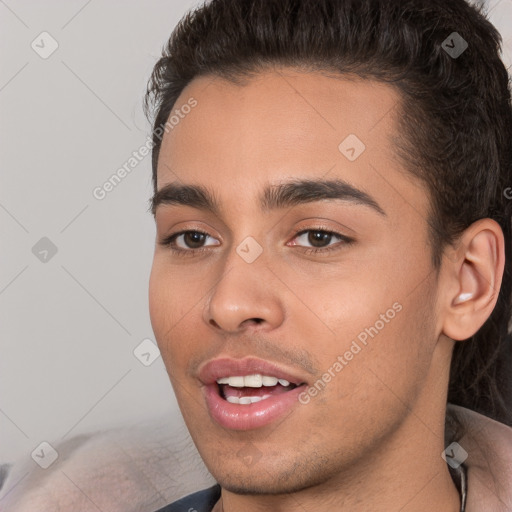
{"x": 77, "y": 350}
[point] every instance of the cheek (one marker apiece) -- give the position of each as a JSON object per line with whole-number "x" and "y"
{"x": 173, "y": 294}
{"x": 382, "y": 325}
{"x": 393, "y": 355}
{"x": 175, "y": 301}
{"x": 168, "y": 303}
{"x": 160, "y": 302}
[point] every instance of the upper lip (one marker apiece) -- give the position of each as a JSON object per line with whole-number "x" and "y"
{"x": 227, "y": 367}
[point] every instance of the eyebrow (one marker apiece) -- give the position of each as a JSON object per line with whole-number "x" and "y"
{"x": 308, "y": 191}
{"x": 195, "y": 196}
{"x": 277, "y": 196}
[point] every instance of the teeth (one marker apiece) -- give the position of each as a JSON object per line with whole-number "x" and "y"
{"x": 246, "y": 400}
{"x": 252, "y": 381}
{"x": 236, "y": 382}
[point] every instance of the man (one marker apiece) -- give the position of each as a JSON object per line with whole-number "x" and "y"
{"x": 332, "y": 262}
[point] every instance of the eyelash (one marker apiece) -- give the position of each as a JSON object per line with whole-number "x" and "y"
{"x": 168, "y": 242}
{"x": 344, "y": 241}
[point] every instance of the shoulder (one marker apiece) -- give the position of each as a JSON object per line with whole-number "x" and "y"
{"x": 202, "y": 501}
{"x": 138, "y": 467}
{"x": 488, "y": 444}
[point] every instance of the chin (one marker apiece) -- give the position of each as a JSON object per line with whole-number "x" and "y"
{"x": 258, "y": 481}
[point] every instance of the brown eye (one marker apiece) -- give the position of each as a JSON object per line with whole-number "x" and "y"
{"x": 194, "y": 239}
{"x": 319, "y": 238}
{"x": 190, "y": 241}
{"x": 320, "y": 241}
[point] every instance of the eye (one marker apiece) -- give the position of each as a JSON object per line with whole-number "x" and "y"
{"x": 190, "y": 241}
{"x": 316, "y": 238}
{"x": 320, "y": 240}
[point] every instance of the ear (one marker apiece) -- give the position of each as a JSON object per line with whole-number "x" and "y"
{"x": 472, "y": 281}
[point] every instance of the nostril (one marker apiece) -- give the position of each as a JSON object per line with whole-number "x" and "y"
{"x": 245, "y": 323}
{"x": 255, "y": 320}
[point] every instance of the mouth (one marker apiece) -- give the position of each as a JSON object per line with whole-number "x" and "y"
{"x": 251, "y": 389}
{"x": 249, "y": 393}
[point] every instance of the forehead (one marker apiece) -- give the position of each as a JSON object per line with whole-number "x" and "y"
{"x": 285, "y": 123}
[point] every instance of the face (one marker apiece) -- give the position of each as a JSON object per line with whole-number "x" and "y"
{"x": 292, "y": 245}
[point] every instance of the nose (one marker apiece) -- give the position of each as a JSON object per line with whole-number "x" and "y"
{"x": 244, "y": 297}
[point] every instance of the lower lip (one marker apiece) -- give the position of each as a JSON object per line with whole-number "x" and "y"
{"x": 250, "y": 416}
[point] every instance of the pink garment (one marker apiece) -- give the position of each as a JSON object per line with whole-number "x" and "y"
{"x": 144, "y": 468}
{"x": 489, "y": 463}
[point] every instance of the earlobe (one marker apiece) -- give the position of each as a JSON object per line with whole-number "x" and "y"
{"x": 475, "y": 279}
